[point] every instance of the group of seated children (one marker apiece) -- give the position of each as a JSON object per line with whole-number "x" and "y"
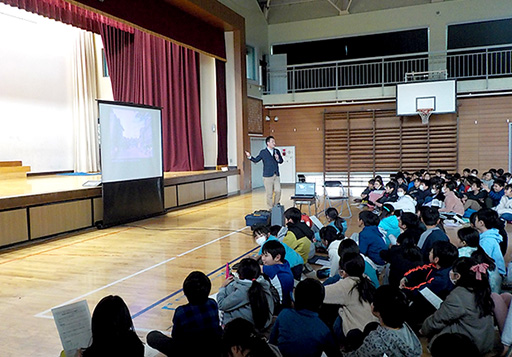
{"x": 451, "y": 194}
{"x": 430, "y": 287}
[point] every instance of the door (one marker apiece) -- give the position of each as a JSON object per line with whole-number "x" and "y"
{"x": 257, "y": 144}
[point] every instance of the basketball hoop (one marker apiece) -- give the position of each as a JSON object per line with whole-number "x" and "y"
{"x": 424, "y": 114}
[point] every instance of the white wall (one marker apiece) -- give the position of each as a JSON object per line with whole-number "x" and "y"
{"x": 208, "y": 109}
{"x": 35, "y": 90}
{"x": 436, "y": 16}
{"x": 256, "y": 35}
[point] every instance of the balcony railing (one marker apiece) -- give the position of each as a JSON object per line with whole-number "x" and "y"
{"x": 469, "y": 63}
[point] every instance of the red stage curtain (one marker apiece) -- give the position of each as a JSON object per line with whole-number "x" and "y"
{"x": 222, "y": 114}
{"x": 146, "y": 69}
{"x": 67, "y": 13}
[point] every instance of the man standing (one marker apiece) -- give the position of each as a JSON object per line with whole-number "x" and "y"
{"x": 271, "y": 158}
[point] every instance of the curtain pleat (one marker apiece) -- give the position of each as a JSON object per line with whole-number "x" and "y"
{"x": 222, "y": 113}
{"x": 86, "y": 155}
{"x": 149, "y": 70}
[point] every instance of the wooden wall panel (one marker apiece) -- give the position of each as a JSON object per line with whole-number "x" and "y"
{"x": 190, "y": 192}
{"x": 59, "y": 217}
{"x": 215, "y": 188}
{"x": 484, "y": 132}
{"x": 482, "y": 145}
{"x": 170, "y": 198}
{"x": 255, "y": 115}
{"x": 13, "y": 226}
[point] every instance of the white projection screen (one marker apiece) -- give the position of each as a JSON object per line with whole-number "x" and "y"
{"x": 441, "y": 96}
{"x": 130, "y": 141}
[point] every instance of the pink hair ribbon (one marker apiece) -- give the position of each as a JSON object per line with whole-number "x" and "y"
{"x": 479, "y": 269}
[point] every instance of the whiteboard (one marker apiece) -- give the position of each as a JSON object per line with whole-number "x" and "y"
{"x": 439, "y": 95}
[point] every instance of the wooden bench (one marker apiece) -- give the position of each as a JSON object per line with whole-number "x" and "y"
{"x": 13, "y": 170}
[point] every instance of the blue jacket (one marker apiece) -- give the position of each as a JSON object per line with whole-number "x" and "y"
{"x": 371, "y": 243}
{"x": 490, "y": 242}
{"x": 270, "y": 164}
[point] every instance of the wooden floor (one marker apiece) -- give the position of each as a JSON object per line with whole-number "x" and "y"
{"x": 144, "y": 262}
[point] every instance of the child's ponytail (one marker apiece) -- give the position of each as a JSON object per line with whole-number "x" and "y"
{"x": 249, "y": 269}
{"x": 474, "y": 277}
{"x": 353, "y": 265}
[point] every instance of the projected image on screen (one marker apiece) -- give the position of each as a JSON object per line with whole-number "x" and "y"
{"x": 131, "y": 142}
{"x": 132, "y": 135}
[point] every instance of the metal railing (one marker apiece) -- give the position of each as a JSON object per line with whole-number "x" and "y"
{"x": 469, "y": 63}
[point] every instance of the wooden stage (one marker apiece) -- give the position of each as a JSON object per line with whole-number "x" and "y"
{"x": 43, "y": 206}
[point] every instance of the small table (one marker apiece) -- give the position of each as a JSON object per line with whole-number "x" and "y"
{"x": 305, "y": 201}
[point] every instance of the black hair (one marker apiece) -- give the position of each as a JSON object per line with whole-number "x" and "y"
{"x": 453, "y": 344}
{"x": 371, "y": 181}
{"x": 197, "y": 287}
{"x": 274, "y": 230}
{"x": 407, "y": 241}
{"x": 426, "y": 183}
{"x": 429, "y": 215}
{"x": 500, "y": 171}
{"x": 410, "y": 220}
{"x": 330, "y": 234}
{"x": 240, "y": 332}
{"x": 274, "y": 247}
{"x": 489, "y": 217}
{"x": 392, "y": 185}
{"x": 250, "y": 269}
{"x": 260, "y": 230}
{"x": 451, "y": 185}
{"x": 479, "y": 287}
{"x": 467, "y": 169}
{"x": 347, "y": 246}
{"x": 309, "y": 294}
{"x": 112, "y": 329}
{"x": 509, "y": 186}
{"x": 456, "y": 176}
{"x": 369, "y": 218}
{"x": 294, "y": 214}
{"x": 391, "y": 304}
{"x": 334, "y": 216}
{"x": 474, "y": 171}
{"x": 387, "y": 210}
{"x": 353, "y": 264}
{"x": 472, "y": 238}
{"x": 474, "y": 180}
{"x": 446, "y": 252}
{"x": 267, "y": 139}
{"x": 500, "y": 182}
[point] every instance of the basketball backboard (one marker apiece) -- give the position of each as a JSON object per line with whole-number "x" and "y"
{"x": 440, "y": 96}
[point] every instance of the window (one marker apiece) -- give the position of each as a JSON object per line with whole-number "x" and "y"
{"x": 104, "y": 63}
{"x": 251, "y": 62}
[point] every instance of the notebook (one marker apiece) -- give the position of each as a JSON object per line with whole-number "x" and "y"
{"x": 304, "y": 190}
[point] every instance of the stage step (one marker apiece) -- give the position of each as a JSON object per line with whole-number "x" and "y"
{"x": 13, "y": 170}
{"x": 10, "y": 163}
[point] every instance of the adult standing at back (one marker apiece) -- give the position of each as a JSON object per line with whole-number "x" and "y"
{"x": 271, "y": 159}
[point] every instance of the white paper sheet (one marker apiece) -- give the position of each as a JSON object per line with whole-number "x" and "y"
{"x": 73, "y": 323}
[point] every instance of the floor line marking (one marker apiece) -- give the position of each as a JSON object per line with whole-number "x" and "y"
{"x": 180, "y": 290}
{"x": 136, "y": 273}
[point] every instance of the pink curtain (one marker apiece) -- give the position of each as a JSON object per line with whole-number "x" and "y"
{"x": 148, "y": 70}
{"x": 67, "y": 13}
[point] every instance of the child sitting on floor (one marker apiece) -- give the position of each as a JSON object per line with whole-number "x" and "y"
{"x": 299, "y": 236}
{"x": 196, "y": 321}
{"x": 354, "y": 295}
{"x": 393, "y": 337}
{"x": 299, "y": 331}
{"x": 468, "y": 309}
{"x": 331, "y": 238}
{"x": 262, "y": 235}
{"x": 247, "y": 296}
{"x": 434, "y": 276}
{"x": 468, "y": 242}
{"x": 504, "y": 208}
{"x": 278, "y": 270}
{"x": 371, "y": 240}
{"x": 388, "y": 224}
{"x": 430, "y": 217}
